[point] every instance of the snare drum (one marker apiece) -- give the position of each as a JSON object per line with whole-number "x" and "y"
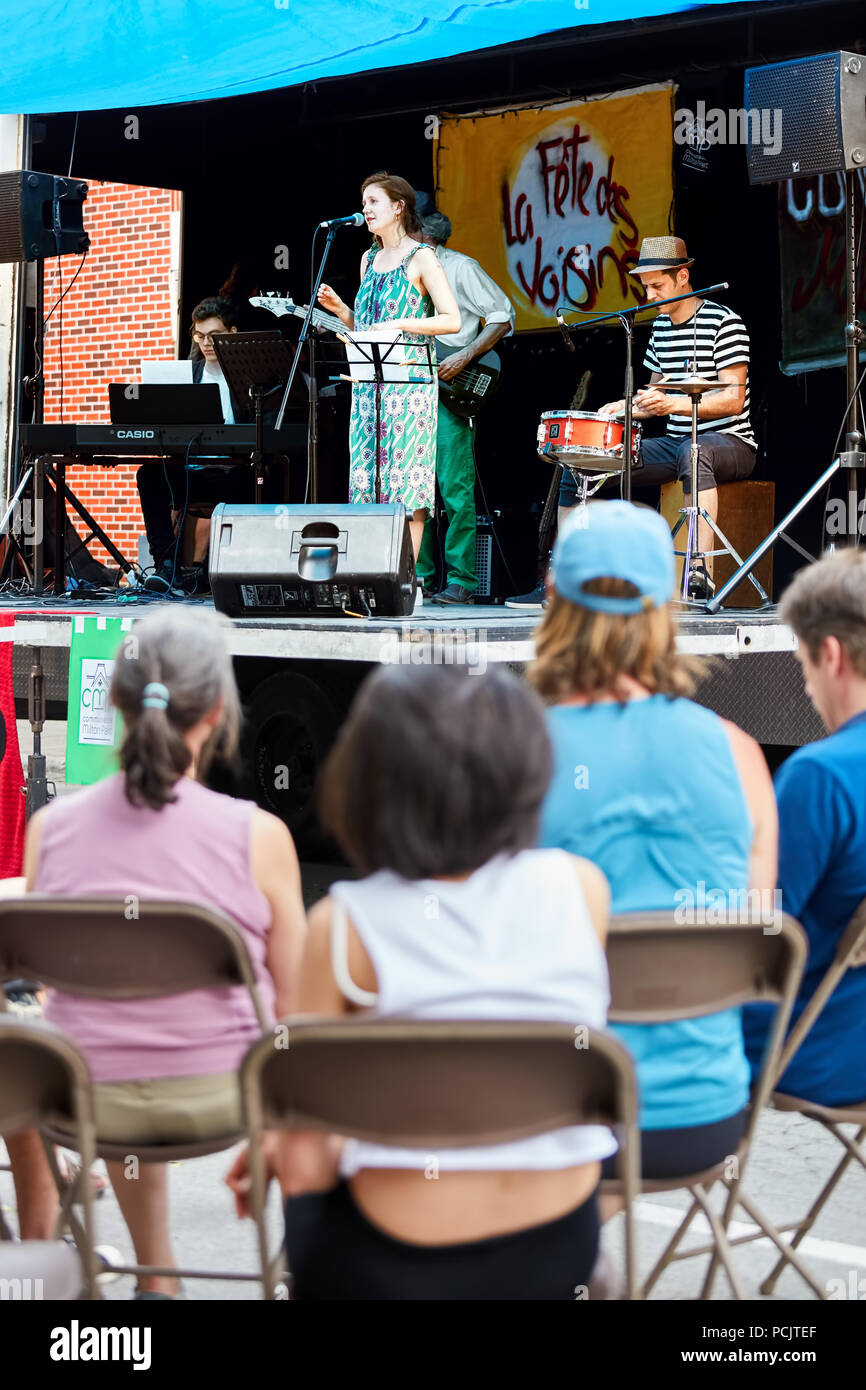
{"x": 582, "y": 440}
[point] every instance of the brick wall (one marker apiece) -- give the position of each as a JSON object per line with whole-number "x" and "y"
{"x": 122, "y": 308}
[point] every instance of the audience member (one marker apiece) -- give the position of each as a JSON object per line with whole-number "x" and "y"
{"x": 822, "y": 828}
{"x": 166, "y": 1068}
{"x": 663, "y": 795}
{"x": 456, "y": 916}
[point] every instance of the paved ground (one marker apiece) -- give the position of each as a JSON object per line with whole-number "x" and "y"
{"x": 788, "y": 1167}
{"x": 53, "y": 746}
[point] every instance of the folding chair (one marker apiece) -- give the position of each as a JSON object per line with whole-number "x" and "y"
{"x": 109, "y": 948}
{"x": 44, "y": 1081}
{"x": 662, "y": 970}
{"x": 437, "y": 1085}
{"x": 851, "y": 945}
{"x": 40, "y": 1269}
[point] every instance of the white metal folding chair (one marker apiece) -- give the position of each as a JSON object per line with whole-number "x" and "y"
{"x": 45, "y": 1082}
{"x": 99, "y": 948}
{"x": 662, "y": 970}
{"x": 422, "y": 1084}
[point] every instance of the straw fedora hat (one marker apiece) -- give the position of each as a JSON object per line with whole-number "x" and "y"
{"x": 661, "y": 253}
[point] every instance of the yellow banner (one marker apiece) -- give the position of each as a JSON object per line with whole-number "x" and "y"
{"x": 554, "y": 203}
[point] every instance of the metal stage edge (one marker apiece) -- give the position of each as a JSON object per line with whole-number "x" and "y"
{"x": 753, "y": 677}
{"x": 505, "y": 633}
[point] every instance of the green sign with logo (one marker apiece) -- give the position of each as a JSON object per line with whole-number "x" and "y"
{"x": 93, "y": 725}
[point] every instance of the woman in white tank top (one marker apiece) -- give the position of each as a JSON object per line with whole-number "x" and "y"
{"x": 433, "y": 792}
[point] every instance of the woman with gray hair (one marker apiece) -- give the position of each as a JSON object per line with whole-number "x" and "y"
{"x": 165, "y": 1066}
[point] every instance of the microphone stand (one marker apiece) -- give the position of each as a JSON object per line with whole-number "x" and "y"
{"x": 313, "y": 420}
{"x": 313, "y": 424}
{"x": 853, "y": 457}
{"x": 626, "y": 317}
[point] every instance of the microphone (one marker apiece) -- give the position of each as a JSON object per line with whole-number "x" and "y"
{"x": 566, "y": 336}
{"x": 356, "y": 220}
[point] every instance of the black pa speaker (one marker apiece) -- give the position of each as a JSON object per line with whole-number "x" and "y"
{"x": 818, "y": 107}
{"x": 40, "y": 215}
{"x": 311, "y": 561}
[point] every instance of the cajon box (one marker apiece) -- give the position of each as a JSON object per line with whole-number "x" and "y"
{"x": 746, "y": 516}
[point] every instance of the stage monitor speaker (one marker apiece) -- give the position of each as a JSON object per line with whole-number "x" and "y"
{"x": 40, "y": 215}
{"x": 311, "y": 561}
{"x": 817, "y": 111}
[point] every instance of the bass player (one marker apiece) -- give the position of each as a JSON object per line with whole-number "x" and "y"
{"x": 487, "y": 315}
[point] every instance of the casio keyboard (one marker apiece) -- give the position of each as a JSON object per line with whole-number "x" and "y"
{"x": 48, "y": 448}
{"x": 92, "y": 443}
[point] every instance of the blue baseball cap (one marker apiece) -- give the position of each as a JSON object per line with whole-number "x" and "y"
{"x": 614, "y": 540}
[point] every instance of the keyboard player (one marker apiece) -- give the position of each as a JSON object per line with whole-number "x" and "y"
{"x": 170, "y": 487}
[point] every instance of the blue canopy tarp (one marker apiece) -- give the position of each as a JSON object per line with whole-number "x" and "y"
{"x": 74, "y": 55}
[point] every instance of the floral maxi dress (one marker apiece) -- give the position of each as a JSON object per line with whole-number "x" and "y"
{"x": 407, "y": 433}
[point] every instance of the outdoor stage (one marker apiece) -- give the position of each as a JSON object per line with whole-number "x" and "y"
{"x": 754, "y": 678}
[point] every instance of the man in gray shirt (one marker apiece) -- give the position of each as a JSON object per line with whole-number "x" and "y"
{"x": 487, "y": 315}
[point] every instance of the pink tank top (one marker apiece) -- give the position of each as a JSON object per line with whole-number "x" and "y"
{"x": 195, "y": 849}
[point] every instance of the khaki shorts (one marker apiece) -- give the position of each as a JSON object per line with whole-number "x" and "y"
{"x": 169, "y": 1110}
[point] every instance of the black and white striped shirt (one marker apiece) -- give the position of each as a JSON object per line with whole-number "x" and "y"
{"x": 717, "y": 338}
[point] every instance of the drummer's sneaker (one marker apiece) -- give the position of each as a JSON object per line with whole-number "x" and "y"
{"x": 701, "y": 586}
{"x": 530, "y": 603}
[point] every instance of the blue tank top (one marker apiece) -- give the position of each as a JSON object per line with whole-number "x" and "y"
{"x": 650, "y": 792}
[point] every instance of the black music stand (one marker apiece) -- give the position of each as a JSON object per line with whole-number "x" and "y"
{"x": 254, "y": 365}
{"x": 375, "y": 357}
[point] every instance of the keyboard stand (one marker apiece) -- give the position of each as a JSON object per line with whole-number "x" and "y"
{"x": 53, "y": 467}
{"x": 46, "y": 450}
{"x": 14, "y": 546}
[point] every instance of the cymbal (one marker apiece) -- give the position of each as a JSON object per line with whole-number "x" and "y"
{"x": 690, "y": 386}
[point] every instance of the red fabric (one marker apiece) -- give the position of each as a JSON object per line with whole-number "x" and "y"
{"x": 11, "y": 778}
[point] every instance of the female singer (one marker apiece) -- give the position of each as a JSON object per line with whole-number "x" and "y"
{"x": 402, "y": 283}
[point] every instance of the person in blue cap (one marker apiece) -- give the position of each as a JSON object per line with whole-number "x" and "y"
{"x": 671, "y": 802}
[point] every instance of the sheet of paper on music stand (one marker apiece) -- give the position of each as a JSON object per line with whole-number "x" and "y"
{"x": 172, "y": 373}
{"x": 358, "y": 356}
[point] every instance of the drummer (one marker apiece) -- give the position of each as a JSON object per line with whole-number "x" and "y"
{"x": 694, "y": 337}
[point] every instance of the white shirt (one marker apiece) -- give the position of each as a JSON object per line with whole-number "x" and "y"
{"x": 479, "y": 299}
{"x": 213, "y": 376}
{"x": 513, "y": 941}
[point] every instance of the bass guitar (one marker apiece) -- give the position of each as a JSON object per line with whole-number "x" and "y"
{"x": 464, "y": 394}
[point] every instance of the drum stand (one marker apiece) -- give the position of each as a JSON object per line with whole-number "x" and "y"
{"x": 587, "y": 483}
{"x": 695, "y": 387}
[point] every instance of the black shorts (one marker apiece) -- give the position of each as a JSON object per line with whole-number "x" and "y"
{"x": 674, "y": 1153}
{"x": 335, "y": 1253}
{"x": 722, "y": 458}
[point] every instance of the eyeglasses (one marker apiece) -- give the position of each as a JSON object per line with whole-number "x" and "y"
{"x": 203, "y": 337}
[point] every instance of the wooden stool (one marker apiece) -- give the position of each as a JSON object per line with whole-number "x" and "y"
{"x": 746, "y": 515}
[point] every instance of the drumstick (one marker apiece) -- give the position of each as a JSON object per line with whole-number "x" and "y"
{"x": 356, "y": 381}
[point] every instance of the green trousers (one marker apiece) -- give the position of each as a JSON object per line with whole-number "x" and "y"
{"x": 455, "y": 475}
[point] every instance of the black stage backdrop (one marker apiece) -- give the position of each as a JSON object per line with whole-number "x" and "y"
{"x": 259, "y": 172}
